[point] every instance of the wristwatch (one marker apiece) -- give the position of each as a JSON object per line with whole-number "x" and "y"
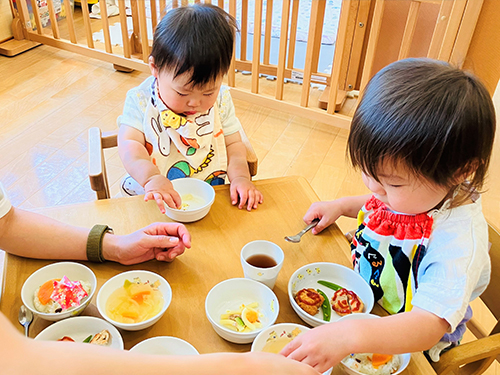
{"x": 94, "y": 243}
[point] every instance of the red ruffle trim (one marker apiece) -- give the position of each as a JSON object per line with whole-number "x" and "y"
{"x": 400, "y": 226}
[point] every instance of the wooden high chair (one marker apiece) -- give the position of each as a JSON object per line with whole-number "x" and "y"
{"x": 475, "y": 357}
{"x": 98, "y": 142}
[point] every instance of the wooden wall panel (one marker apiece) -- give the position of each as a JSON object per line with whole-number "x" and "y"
{"x": 483, "y": 57}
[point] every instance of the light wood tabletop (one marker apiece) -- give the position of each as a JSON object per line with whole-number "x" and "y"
{"x": 214, "y": 257}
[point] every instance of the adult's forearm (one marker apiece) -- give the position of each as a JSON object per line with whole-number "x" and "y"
{"x": 32, "y": 235}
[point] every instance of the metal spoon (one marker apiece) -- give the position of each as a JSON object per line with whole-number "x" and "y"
{"x": 25, "y": 318}
{"x": 296, "y": 238}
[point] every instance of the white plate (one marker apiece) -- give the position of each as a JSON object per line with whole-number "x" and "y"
{"x": 165, "y": 345}
{"x": 308, "y": 276}
{"x": 79, "y": 328}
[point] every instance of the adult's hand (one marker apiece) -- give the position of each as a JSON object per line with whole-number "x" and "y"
{"x": 160, "y": 241}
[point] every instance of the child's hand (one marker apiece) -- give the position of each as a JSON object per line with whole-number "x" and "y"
{"x": 161, "y": 190}
{"x": 315, "y": 348}
{"x": 327, "y": 212}
{"x": 242, "y": 188}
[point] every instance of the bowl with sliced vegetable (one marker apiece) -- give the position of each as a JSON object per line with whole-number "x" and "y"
{"x": 134, "y": 300}
{"x": 83, "y": 329}
{"x": 240, "y": 308}
{"x": 324, "y": 292}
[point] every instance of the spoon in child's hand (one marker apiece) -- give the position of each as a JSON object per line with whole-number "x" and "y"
{"x": 296, "y": 238}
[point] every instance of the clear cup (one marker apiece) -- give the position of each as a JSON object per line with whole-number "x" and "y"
{"x": 262, "y": 261}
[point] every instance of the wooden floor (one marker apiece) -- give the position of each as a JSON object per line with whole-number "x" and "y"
{"x": 50, "y": 98}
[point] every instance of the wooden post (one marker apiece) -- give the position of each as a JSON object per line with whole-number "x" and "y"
{"x": 337, "y": 57}
{"x": 411, "y": 22}
{"x": 105, "y": 26}
{"x": 53, "y": 19}
{"x": 86, "y": 23}
{"x": 285, "y": 16}
{"x": 372, "y": 42}
{"x": 257, "y": 31}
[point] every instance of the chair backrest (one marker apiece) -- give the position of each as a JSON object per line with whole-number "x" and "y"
{"x": 98, "y": 142}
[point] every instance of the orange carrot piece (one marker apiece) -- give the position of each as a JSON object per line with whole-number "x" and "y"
{"x": 45, "y": 292}
{"x": 380, "y": 359}
{"x": 139, "y": 297}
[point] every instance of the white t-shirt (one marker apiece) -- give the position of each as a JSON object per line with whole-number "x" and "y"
{"x": 5, "y": 205}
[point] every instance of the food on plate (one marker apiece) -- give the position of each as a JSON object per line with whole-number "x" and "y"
{"x": 57, "y": 295}
{"x": 345, "y": 302}
{"x": 135, "y": 301}
{"x": 325, "y": 306}
{"x": 309, "y": 300}
{"x": 246, "y": 319}
{"x": 191, "y": 202}
{"x": 66, "y": 338}
{"x": 329, "y": 284}
{"x": 275, "y": 343}
{"x": 373, "y": 363}
{"x": 101, "y": 338}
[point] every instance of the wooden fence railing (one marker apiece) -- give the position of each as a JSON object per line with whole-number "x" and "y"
{"x": 453, "y": 30}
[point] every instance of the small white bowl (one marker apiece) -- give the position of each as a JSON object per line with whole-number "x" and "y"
{"x": 203, "y": 194}
{"x": 276, "y": 331}
{"x": 308, "y": 276}
{"x": 117, "y": 281}
{"x": 404, "y": 358}
{"x": 230, "y": 295}
{"x": 165, "y": 345}
{"x": 73, "y": 271}
{"x": 79, "y": 328}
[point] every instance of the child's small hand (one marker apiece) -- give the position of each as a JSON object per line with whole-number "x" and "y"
{"x": 327, "y": 212}
{"x": 315, "y": 348}
{"x": 242, "y": 188}
{"x": 161, "y": 190}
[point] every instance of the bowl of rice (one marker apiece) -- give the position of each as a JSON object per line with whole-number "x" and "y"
{"x": 59, "y": 290}
{"x": 375, "y": 364}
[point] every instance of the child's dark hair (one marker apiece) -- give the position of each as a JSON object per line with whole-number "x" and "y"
{"x": 436, "y": 119}
{"x": 196, "y": 39}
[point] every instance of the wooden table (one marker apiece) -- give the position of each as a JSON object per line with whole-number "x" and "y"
{"x": 214, "y": 257}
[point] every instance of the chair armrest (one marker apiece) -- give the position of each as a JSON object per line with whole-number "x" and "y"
{"x": 97, "y": 173}
{"x": 251, "y": 155}
{"x": 486, "y": 349}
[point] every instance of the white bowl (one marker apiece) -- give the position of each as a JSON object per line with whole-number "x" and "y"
{"x": 308, "y": 276}
{"x": 276, "y": 331}
{"x": 203, "y": 194}
{"x": 117, "y": 281}
{"x": 229, "y": 295}
{"x": 73, "y": 271}
{"x": 404, "y": 358}
{"x": 165, "y": 345}
{"x": 79, "y": 328}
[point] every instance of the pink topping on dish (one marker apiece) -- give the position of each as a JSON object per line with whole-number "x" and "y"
{"x": 68, "y": 293}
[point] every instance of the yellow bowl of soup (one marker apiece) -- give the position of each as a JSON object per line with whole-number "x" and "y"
{"x": 134, "y": 300}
